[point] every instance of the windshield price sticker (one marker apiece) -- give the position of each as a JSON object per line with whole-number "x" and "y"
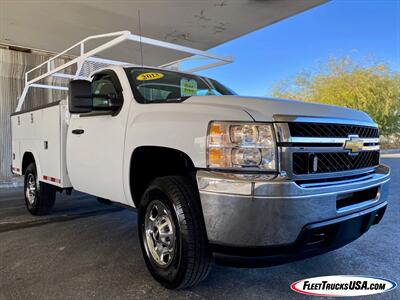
{"x": 188, "y": 87}
{"x": 149, "y": 76}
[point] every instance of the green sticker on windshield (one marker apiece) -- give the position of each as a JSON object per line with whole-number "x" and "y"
{"x": 188, "y": 87}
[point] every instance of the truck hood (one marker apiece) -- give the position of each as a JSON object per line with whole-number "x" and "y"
{"x": 264, "y": 109}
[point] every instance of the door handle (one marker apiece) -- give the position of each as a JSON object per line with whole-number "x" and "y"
{"x": 78, "y": 131}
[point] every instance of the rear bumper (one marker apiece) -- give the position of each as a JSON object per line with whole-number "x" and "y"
{"x": 314, "y": 239}
{"x": 273, "y": 213}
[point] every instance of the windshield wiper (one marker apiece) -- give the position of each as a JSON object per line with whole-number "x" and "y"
{"x": 183, "y": 98}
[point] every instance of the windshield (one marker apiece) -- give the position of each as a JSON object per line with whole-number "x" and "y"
{"x": 155, "y": 86}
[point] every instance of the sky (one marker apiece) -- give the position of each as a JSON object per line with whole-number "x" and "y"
{"x": 359, "y": 28}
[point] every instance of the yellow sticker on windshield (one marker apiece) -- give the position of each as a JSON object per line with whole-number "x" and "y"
{"x": 149, "y": 76}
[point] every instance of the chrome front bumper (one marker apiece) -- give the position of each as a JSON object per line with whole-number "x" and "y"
{"x": 241, "y": 212}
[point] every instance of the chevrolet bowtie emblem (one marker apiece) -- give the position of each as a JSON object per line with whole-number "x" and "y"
{"x": 354, "y": 144}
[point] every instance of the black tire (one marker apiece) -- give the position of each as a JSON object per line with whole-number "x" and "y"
{"x": 103, "y": 201}
{"x": 192, "y": 260}
{"x": 44, "y": 196}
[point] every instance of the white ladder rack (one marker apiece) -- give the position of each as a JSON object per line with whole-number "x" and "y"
{"x": 89, "y": 56}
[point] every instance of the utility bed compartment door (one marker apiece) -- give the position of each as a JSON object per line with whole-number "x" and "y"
{"x": 50, "y": 143}
{"x": 42, "y": 132}
{"x": 15, "y": 148}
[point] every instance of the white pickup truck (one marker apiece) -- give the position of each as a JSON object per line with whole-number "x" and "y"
{"x": 214, "y": 176}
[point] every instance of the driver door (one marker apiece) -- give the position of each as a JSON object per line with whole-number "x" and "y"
{"x": 95, "y": 143}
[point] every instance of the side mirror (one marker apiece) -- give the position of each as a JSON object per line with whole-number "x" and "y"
{"x": 80, "y": 98}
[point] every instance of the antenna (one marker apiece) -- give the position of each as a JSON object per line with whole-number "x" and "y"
{"x": 140, "y": 39}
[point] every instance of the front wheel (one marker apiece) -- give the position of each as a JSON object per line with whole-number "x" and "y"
{"x": 172, "y": 233}
{"x": 39, "y": 196}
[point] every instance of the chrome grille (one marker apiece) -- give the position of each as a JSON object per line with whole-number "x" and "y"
{"x": 314, "y": 148}
{"x": 303, "y": 162}
{"x": 331, "y": 130}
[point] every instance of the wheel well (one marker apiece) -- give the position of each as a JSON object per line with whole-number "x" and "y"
{"x": 150, "y": 162}
{"x": 27, "y": 160}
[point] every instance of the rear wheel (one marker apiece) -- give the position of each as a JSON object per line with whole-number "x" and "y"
{"x": 172, "y": 233}
{"x": 39, "y": 196}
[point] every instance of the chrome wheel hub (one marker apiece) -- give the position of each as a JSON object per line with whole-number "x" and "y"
{"x": 159, "y": 233}
{"x": 30, "y": 191}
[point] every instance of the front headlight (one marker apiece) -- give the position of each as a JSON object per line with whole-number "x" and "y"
{"x": 235, "y": 145}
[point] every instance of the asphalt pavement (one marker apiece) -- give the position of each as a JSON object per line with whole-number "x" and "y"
{"x": 89, "y": 250}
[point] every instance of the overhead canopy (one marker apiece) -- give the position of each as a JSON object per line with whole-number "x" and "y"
{"x": 55, "y": 25}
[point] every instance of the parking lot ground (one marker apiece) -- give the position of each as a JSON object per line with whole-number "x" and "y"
{"x": 89, "y": 250}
